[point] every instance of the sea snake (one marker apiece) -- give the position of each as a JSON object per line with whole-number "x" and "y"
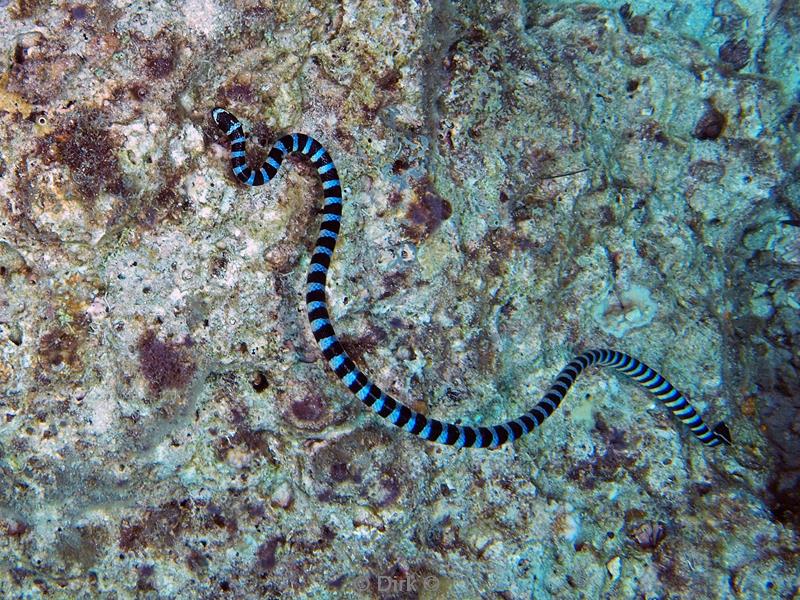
{"x": 397, "y": 413}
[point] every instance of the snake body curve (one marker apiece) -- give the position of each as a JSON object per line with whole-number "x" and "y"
{"x": 397, "y": 413}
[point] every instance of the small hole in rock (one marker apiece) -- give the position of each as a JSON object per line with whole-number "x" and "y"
{"x": 259, "y": 382}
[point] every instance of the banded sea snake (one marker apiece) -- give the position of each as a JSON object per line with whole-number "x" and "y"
{"x": 397, "y": 413}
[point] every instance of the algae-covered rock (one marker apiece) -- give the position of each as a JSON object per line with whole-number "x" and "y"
{"x": 521, "y": 181}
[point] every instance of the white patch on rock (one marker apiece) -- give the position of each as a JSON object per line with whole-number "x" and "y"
{"x": 627, "y": 309}
{"x": 102, "y": 411}
{"x": 201, "y": 16}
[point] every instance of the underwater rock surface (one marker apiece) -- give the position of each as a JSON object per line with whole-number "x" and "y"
{"x": 521, "y": 183}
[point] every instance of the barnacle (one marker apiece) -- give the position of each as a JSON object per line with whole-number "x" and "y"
{"x": 649, "y": 534}
{"x": 711, "y": 125}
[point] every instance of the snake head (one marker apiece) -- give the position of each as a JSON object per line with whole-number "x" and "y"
{"x": 723, "y": 433}
{"x": 223, "y": 119}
